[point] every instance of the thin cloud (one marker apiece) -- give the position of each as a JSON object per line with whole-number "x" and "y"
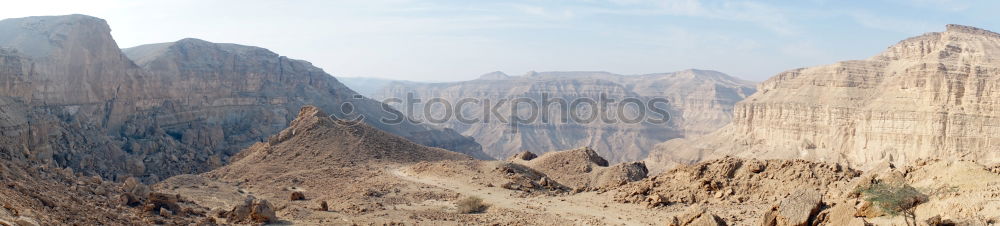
{"x": 766, "y": 16}
{"x": 891, "y": 24}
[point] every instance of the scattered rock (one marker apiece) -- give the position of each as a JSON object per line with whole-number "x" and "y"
{"x": 165, "y": 213}
{"x": 323, "y": 206}
{"x": 25, "y": 221}
{"x": 252, "y": 211}
{"x": 206, "y": 221}
{"x": 158, "y": 201}
{"x": 655, "y": 200}
{"x": 297, "y": 195}
{"x": 937, "y": 221}
{"x": 840, "y": 214}
{"x": 525, "y": 156}
{"x": 869, "y": 210}
{"x": 128, "y": 199}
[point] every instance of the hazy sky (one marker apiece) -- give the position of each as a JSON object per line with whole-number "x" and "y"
{"x": 461, "y": 39}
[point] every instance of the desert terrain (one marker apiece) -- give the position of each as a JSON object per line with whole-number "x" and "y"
{"x": 193, "y": 132}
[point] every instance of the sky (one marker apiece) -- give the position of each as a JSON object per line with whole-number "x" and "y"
{"x": 452, "y": 40}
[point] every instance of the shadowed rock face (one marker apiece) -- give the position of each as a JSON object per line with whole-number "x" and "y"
{"x": 699, "y": 102}
{"x": 931, "y": 96}
{"x": 82, "y": 103}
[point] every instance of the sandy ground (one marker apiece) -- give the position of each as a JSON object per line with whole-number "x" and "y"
{"x": 587, "y": 208}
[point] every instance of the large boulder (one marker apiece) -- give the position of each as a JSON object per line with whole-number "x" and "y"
{"x": 158, "y": 201}
{"x": 252, "y": 211}
{"x": 696, "y": 216}
{"x": 798, "y": 209}
{"x": 840, "y": 214}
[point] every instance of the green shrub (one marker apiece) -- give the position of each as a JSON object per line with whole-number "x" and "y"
{"x": 471, "y": 204}
{"x": 894, "y": 199}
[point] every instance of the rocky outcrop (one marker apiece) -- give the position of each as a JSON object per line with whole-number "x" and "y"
{"x": 314, "y": 140}
{"x": 583, "y": 169}
{"x": 78, "y": 101}
{"x": 930, "y": 96}
{"x": 252, "y": 211}
{"x": 730, "y": 180}
{"x": 699, "y": 102}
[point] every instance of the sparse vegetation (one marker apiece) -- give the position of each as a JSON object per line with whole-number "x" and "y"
{"x": 894, "y": 199}
{"x": 471, "y": 204}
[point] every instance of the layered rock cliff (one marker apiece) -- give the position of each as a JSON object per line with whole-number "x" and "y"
{"x": 931, "y": 96}
{"x": 77, "y": 101}
{"x": 251, "y": 92}
{"x": 697, "y": 101}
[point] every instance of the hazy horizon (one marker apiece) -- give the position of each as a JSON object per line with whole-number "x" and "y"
{"x": 439, "y": 41}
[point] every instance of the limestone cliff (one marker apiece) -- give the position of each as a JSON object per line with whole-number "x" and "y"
{"x": 931, "y": 96}
{"x": 698, "y": 102}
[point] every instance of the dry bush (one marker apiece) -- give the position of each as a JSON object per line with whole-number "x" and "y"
{"x": 471, "y": 204}
{"x": 894, "y": 199}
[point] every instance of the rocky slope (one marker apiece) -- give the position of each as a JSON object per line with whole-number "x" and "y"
{"x": 34, "y": 191}
{"x": 93, "y": 109}
{"x": 699, "y": 102}
{"x": 930, "y": 96}
{"x": 318, "y": 161}
{"x": 251, "y": 92}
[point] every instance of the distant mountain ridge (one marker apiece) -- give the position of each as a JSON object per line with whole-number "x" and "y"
{"x": 700, "y": 101}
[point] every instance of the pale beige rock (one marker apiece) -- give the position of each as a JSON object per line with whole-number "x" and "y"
{"x": 583, "y": 168}
{"x": 840, "y": 214}
{"x": 696, "y": 216}
{"x": 929, "y": 96}
{"x": 798, "y": 209}
{"x": 252, "y": 211}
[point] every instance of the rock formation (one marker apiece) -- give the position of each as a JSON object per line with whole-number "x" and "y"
{"x": 252, "y": 211}
{"x": 930, "y": 96}
{"x": 698, "y": 102}
{"x": 798, "y": 209}
{"x": 185, "y": 108}
{"x": 730, "y": 180}
{"x": 313, "y": 141}
{"x": 583, "y": 169}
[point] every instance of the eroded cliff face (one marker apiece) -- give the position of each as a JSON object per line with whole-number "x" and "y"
{"x": 697, "y": 101}
{"x": 931, "y": 96}
{"x": 81, "y": 103}
{"x": 252, "y": 92}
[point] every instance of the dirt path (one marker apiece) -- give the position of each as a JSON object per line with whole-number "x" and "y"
{"x": 587, "y": 208}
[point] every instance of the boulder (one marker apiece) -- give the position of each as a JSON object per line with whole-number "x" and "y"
{"x": 869, "y": 210}
{"x": 840, "y": 214}
{"x": 158, "y": 201}
{"x": 798, "y": 209}
{"x": 526, "y": 156}
{"x": 696, "y": 216}
{"x": 297, "y": 195}
{"x": 252, "y": 211}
